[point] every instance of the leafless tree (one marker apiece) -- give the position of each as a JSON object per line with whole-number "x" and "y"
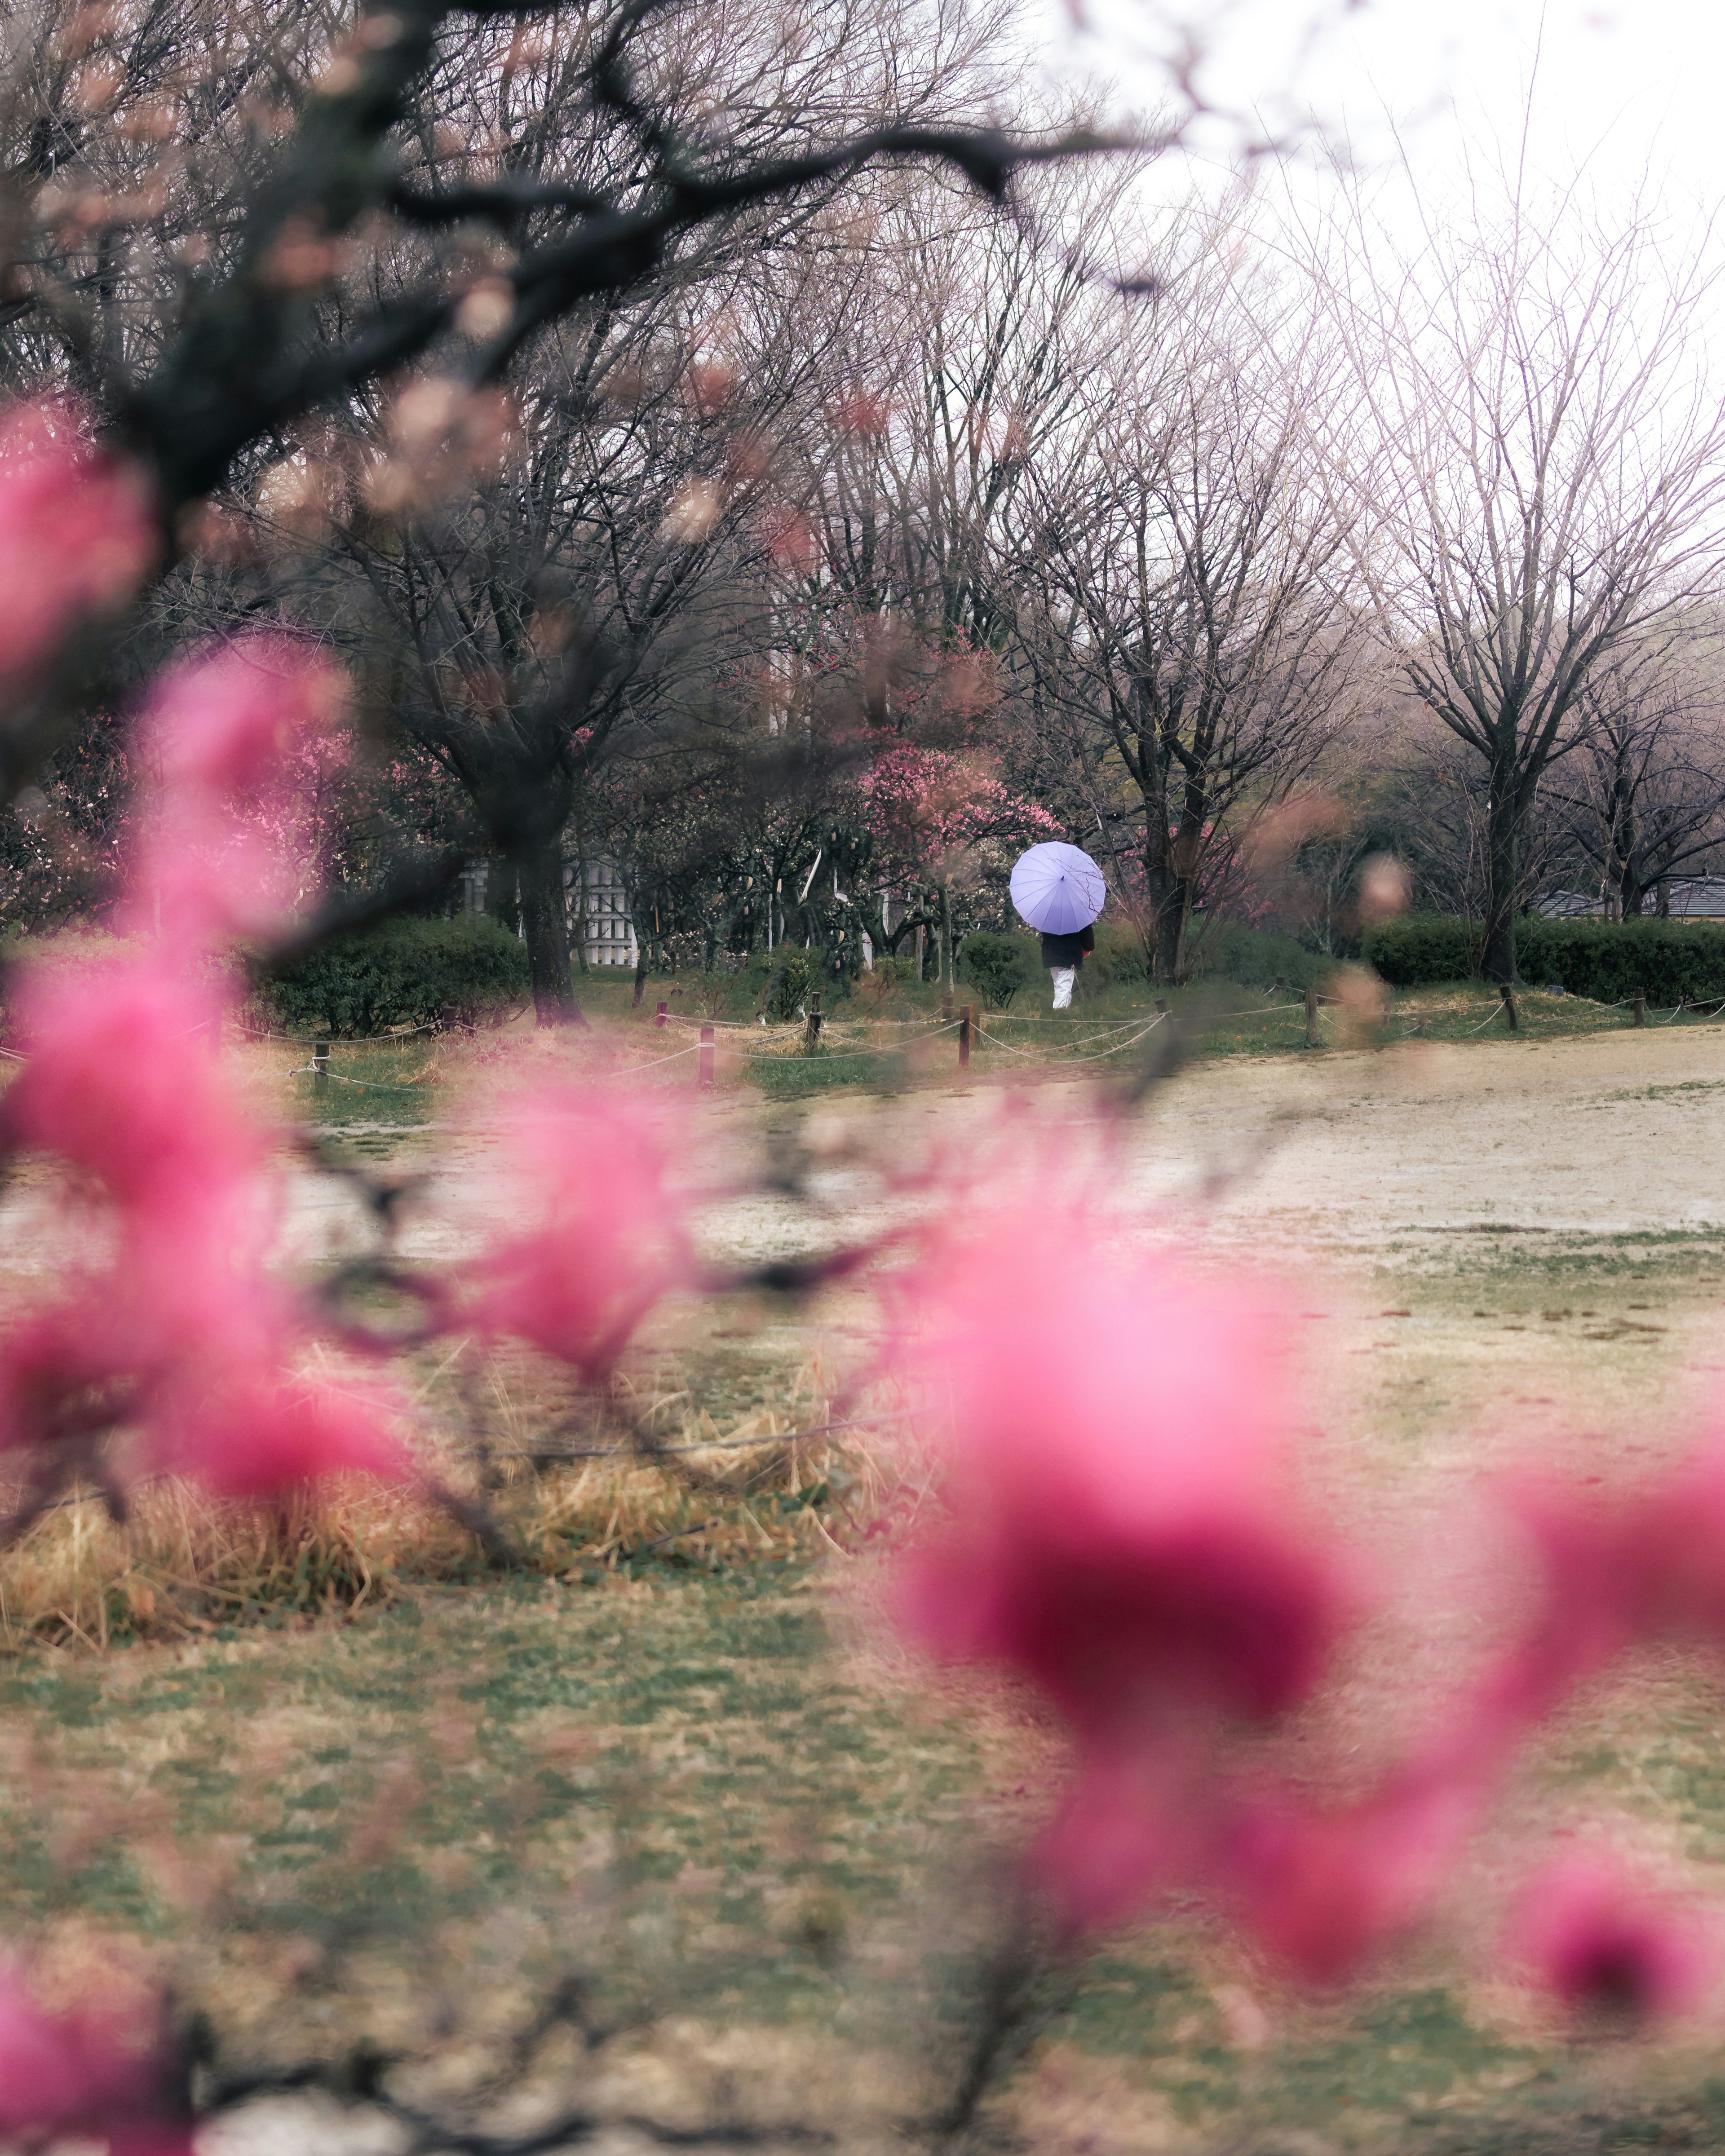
{"x": 1533, "y": 453}
{"x": 1188, "y": 583}
{"x": 1643, "y": 797}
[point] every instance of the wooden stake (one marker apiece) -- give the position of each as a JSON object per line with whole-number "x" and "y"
{"x": 659, "y": 1015}
{"x": 1638, "y": 1002}
{"x": 964, "y": 1036}
{"x": 1312, "y": 1018}
{"x": 320, "y": 1063}
{"x": 1509, "y": 1006}
{"x": 703, "y": 1062}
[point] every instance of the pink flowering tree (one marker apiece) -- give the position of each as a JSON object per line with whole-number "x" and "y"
{"x": 942, "y": 820}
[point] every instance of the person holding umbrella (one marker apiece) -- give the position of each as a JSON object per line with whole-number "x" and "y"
{"x": 1058, "y": 891}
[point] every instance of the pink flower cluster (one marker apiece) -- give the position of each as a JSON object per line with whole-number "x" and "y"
{"x": 601, "y": 1238}
{"x": 178, "y": 1333}
{"x": 92, "y": 2075}
{"x": 1121, "y": 1534}
{"x": 76, "y": 533}
{"x": 222, "y": 851}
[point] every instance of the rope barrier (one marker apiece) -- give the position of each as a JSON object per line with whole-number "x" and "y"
{"x": 1101, "y": 1053}
{"x": 792, "y": 1055}
{"x": 628, "y": 1069}
{"x": 1054, "y": 1048}
{"x": 364, "y": 1084}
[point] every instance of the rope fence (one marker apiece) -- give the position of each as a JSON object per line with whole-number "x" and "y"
{"x": 818, "y": 1036}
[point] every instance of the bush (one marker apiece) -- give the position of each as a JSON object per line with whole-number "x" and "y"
{"x": 1257, "y": 957}
{"x": 403, "y": 973}
{"x": 1118, "y": 960}
{"x": 787, "y": 980}
{"x": 1416, "y": 949}
{"x": 999, "y": 965}
{"x": 1669, "y": 961}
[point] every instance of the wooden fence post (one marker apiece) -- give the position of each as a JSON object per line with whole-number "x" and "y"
{"x": 659, "y": 1015}
{"x": 1509, "y": 1005}
{"x": 1312, "y": 1018}
{"x": 811, "y": 1027}
{"x": 703, "y": 1062}
{"x": 1638, "y": 1002}
{"x": 964, "y": 1036}
{"x": 1161, "y": 1007}
{"x": 320, "y": 1063}
{"x": 946, "y": 1006}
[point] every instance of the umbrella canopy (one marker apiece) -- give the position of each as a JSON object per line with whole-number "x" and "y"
{"x": 1057, "y": 888}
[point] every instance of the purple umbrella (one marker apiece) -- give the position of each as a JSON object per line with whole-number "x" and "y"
{"x": 1057, "y": 888}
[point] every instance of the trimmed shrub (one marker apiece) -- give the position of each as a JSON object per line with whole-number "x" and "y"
{"x": 1669, "y": 961}
{"x": 403, "y": 973}
{"x": 1255, "y": 957}
{"x": 1416, "y": 949}
{"x": 999, "y": 965}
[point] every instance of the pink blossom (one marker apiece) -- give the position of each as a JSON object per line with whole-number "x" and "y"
{"x": 223, "y": 845}
{"x": 88, "y": 2073}
{"x": 1122, "y": 1531}
{"x": 1604, "y": 1944}
{"x": 244, "y": 1432}
{"x": 184, "y": 1337}
{"x": 604, "y": 1237}
{"x": 120, "y": 1081}
{"x": 76, "y": 535}
{"x": 1323, "y": 1889}
{"x": 1128, "y": 1828}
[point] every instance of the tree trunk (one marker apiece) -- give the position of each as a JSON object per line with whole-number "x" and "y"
{"x": 546, "y": 926}
{"x": 1503, "y": 850}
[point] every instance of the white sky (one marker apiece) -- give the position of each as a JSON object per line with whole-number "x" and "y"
{"x": 1629, "y": 88}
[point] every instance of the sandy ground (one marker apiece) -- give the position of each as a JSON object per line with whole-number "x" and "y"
{"x": 1347, "y": 1153}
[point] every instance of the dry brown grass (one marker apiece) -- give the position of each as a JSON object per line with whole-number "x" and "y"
{"x": 185, "y": 1564}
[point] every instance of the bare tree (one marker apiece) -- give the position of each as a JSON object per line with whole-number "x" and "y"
{"x": 1189, "y": 585}
{"x": 1643, "y": 797}
{"x": 1533, "y": 455}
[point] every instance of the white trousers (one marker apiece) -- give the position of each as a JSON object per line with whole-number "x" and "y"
{"x": 1064, "y": 977}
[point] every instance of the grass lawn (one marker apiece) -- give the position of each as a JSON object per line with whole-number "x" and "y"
{"x": 700, "y": 1779}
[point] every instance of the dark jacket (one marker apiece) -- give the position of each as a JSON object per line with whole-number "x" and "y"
{"x": 1068, "y": 950}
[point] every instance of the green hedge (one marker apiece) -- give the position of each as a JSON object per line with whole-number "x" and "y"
{"x": 1414, "y": 949}
{"x": 1669, "y": 961}
{"x": 403, "y": 973}
{"x": 1255, "y": 957}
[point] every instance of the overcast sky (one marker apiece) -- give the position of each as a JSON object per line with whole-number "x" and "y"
{"x": 1628, "y": 87}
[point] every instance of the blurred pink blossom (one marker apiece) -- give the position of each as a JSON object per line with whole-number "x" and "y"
{"x": 1323, "y": 1889}
{"x": 603, "y": 1236}
{"x": 181, "y": 1334}
{"x": 1122, "y": 1533}
{"x": 86, "y": 2074}
{"x": 225, "y": 843}
{"x": 1121, "y": 1529}
{"x": 244, "y": 1431}
{"x": 1607, "y": 1946}
{"x": 76, "y": 535}
{"x": 120, "y": 1082}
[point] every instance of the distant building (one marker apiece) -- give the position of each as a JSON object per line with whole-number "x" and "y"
{"x": 1696, "y": 898}
{"x": 1682, "y": 898}
{"x": 610, "y": 932}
